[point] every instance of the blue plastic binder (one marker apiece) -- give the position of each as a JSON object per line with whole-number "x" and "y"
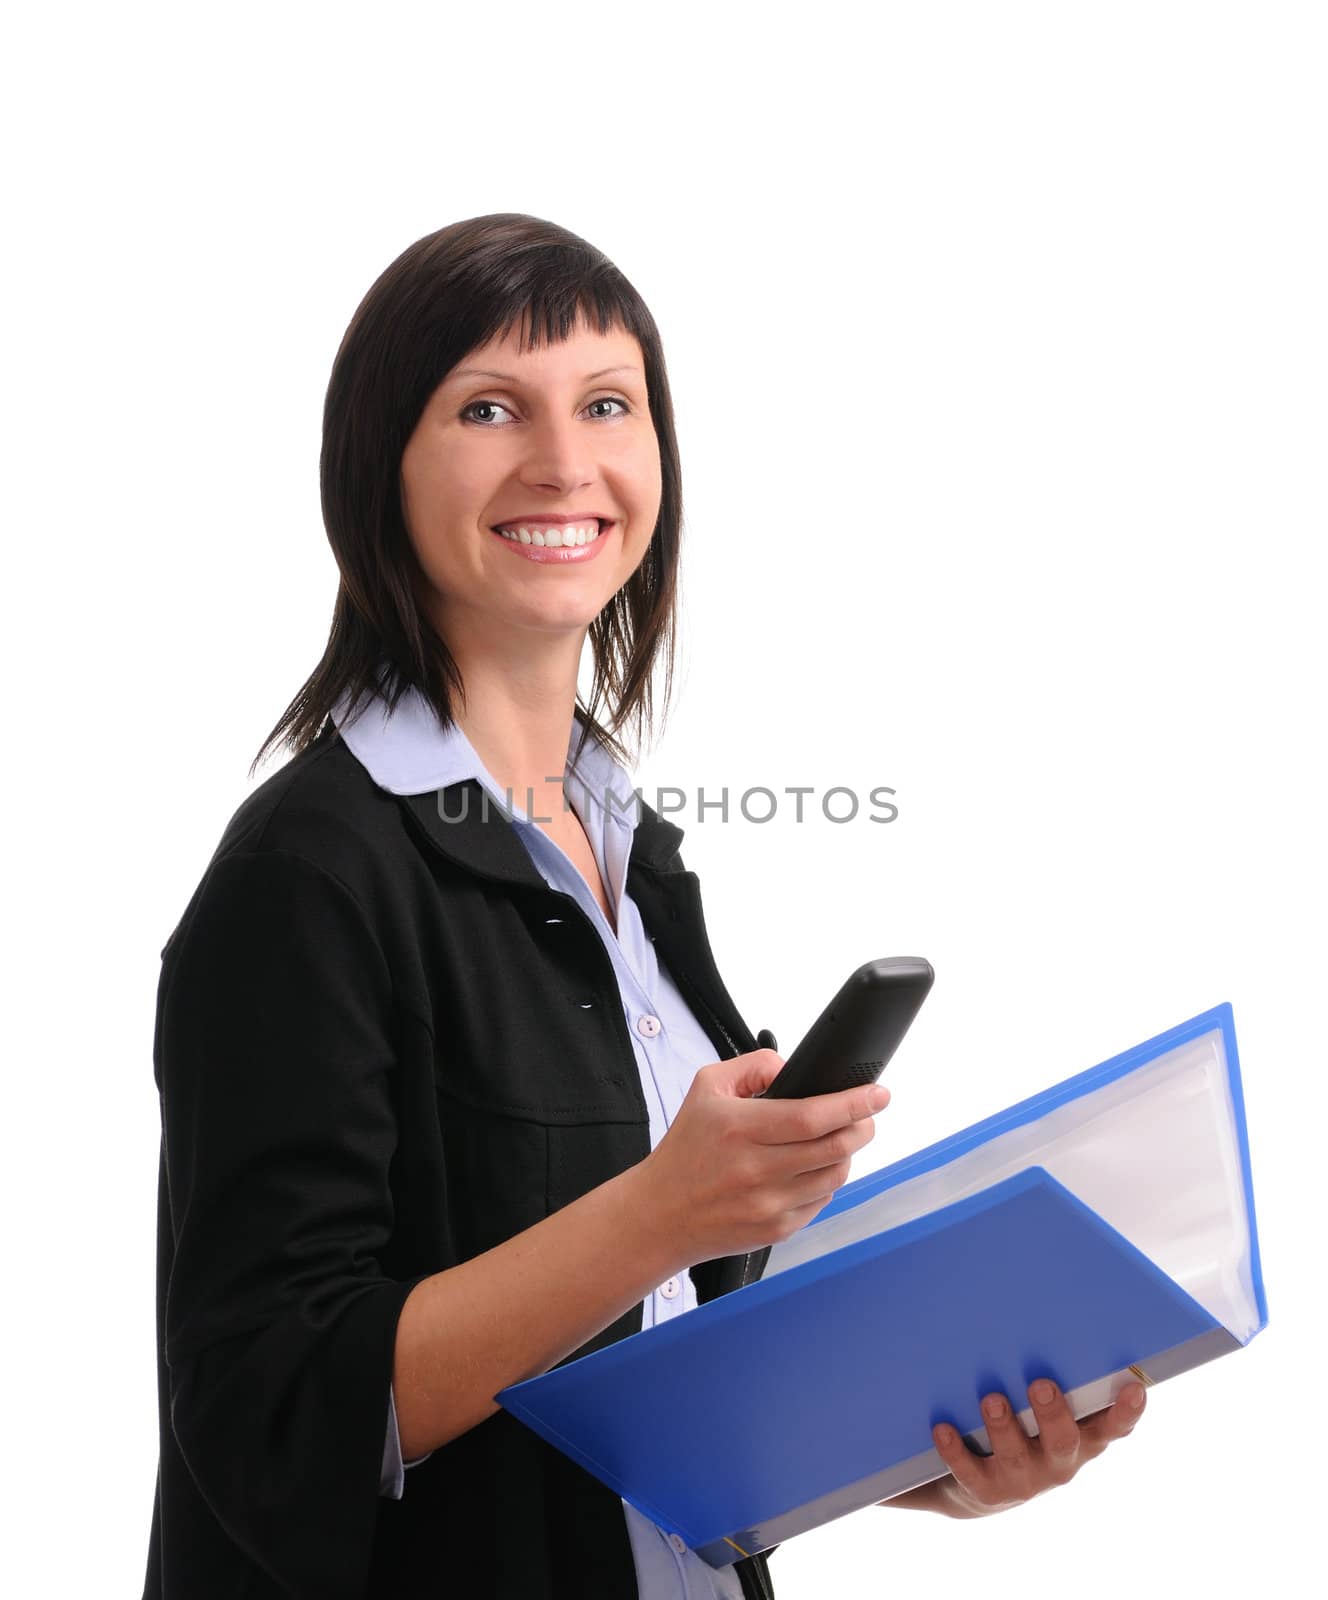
{"x": 813, "y": 1392}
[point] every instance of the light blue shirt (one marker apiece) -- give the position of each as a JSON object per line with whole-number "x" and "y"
{"x": 408, "y": 752}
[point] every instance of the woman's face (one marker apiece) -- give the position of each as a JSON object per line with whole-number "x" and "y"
{"x": 551, "y": 439}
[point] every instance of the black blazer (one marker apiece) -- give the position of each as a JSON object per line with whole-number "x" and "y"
{"x": 383, "y": 1045}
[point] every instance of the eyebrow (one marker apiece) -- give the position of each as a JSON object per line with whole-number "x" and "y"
{"x": 511, "y": 377}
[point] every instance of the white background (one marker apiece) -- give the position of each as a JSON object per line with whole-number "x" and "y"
{"x": 997, "y": 343}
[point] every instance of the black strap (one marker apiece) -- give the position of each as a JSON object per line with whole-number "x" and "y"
{"x": 754, "y": 1576}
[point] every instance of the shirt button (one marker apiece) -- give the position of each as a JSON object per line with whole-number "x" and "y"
{"x": 678, "y": 1543}
{"x": 648, "y": 1025}
{"x": 672, "y": 1289}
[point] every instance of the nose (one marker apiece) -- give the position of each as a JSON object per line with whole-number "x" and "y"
{"x": 560, "y": 454}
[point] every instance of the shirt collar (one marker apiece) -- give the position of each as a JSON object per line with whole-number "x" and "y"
{"x": 407, "y": 751}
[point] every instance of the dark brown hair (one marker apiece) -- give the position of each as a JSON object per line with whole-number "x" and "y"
{"x": 442, "y": 297}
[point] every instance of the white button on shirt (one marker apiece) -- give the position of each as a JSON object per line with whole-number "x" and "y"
{"x": 409, "y": 753}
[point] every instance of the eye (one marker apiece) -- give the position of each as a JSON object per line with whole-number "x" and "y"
{"x": 494, "y": 405}
{"x": 474, "y": 405}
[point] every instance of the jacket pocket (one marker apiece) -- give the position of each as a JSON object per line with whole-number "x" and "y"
{"x": 496, "y": 1174}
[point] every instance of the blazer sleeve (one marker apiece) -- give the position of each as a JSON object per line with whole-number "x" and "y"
{"x": 275, "y": 1062}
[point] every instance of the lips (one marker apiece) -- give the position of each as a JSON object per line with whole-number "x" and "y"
{"x": 534, "y": 544}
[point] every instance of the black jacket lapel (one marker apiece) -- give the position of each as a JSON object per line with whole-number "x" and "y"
{"x": 475, "y": 833}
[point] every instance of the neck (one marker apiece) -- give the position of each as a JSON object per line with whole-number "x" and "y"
{"x": 518, "y": 713}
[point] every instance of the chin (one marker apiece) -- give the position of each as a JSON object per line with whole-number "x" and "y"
{"x": 559, "y": 619}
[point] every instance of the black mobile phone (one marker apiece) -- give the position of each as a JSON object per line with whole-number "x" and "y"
{"x": 849, "y": 1043}
{"x": 852, "y": 1040}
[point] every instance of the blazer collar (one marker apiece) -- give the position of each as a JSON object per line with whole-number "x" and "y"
{"x": 471, "y": 829}
{"x": 437, "y": 775}
{"x": 484, "y": 841}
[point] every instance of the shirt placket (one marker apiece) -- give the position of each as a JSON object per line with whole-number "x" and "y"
{"x": 610, "y": 842}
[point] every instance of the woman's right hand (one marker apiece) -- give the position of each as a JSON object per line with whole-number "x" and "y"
{"x": 734, "y": 1174}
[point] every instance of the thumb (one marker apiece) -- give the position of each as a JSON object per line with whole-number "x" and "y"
{"x": 750, "y": 1074}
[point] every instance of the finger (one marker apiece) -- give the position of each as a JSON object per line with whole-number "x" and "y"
{"x": 812, "y": 1188}
{"x": 747, "y": 1075}
{"x": 811, "y": 1172}
{"x": 969, "y": 1470}
{"x": 811, "y": 1155}
{"x": 1096, "y": 1432}
{"x": 800, "y": 1216}
{"x": 1010, "y": 1445}
{"x": 1058, "y": 1433}
{"x": 794, "y": 1121}
{"x": 802, "y": 1211}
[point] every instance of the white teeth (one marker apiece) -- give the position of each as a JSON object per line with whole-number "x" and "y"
{"x": 577, "y": 533}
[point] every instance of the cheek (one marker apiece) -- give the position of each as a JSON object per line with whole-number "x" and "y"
{"x": 441, "y": 477}
{"x": 442, "y": 507}
{"x": 647, "y": 476}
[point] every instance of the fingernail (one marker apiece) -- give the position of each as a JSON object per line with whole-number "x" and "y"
{"x": 1043, "y": 1392}
{"x": 995, "y": 1408}
{"x": 1135, "y": 1399}
{"x": 877, "y": 1096}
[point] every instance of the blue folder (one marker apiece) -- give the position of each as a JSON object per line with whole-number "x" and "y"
{"x": 813, "y": 1393}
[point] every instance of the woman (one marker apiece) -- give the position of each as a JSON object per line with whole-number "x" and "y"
{"x": 451, "y": 1088}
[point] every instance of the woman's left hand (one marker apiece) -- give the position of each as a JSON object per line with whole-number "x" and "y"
{"x": 1020, "y": 1467}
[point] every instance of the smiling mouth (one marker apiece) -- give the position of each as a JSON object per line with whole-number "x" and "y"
{"x": 535, "y": 545}
{"x": 550, "y": 536}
